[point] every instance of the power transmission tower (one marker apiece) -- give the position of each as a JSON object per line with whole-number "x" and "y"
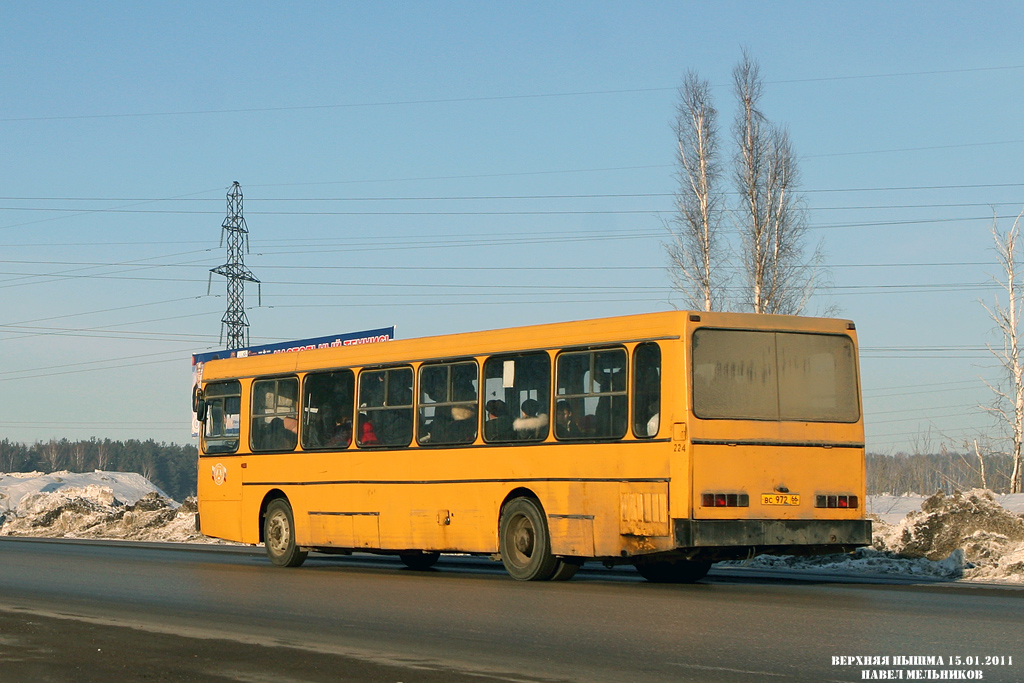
{"x": 234, "y": 270}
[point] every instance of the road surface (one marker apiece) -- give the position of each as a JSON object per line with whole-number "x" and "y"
{"x": 104, "y": 611}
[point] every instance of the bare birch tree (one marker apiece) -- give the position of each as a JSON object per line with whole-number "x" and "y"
{"x": 103, "y": 452}
{"x": 1008, "y": 405}
{"x": 53, "y": 453}
{"x": 695, "y": 251}
{"x": 779, "y": 278}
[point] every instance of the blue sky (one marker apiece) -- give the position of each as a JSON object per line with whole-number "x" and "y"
{"x": 446, "y": 167}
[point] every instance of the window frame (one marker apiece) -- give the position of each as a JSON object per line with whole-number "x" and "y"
{"x": 211, "y": 403}
{"x": 581, "y": 398}
{"x": 284, "y": 415}
{"x": 512, "y": 412}
{"x": 635, "y": 393}
{"x": 853, "y": 369}
{"x": 385, "y": 405}
{"x": 304, "y": 426}
{"x": 450, "y": 402}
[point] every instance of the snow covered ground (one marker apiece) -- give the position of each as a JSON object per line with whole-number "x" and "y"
{"x": 972, "y": 536}
{"x": 119, "y": 505}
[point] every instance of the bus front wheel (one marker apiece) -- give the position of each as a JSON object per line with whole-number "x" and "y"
{"x": 279, "y": 535}
{"x": 525, "y": 543}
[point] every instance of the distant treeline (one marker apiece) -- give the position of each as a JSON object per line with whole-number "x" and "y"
{"x": 170, "y": 466}
{"x": 925, "y": 474}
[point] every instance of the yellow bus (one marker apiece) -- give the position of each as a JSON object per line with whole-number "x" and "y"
{"x": 665, "y": 440}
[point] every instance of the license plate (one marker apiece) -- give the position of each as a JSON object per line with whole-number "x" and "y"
{"x": 780, "y": 499}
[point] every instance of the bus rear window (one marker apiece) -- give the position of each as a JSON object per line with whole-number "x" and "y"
{"x": 789, "y": 376}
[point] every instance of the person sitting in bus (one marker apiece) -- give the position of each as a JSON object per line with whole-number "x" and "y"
{"x": 367, "y": 437}
{"x": 654, "y": 422}
{"x": 462, "y": 428}
{"x": 332, "y": 431}
{"x": 533, "y": 424}
{"x": 279, "y": 437}
{"x": 565, "y": 425}
{"x": 498, "y": 426}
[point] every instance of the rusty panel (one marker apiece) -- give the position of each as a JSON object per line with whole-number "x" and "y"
{"x": 643, "y": 509}
{"x": 572, "y": 535}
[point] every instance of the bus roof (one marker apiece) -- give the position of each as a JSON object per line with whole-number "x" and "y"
{"x": 664, "y": 325}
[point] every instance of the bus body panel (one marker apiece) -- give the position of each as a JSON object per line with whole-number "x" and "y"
{"x": 804, "y": 471}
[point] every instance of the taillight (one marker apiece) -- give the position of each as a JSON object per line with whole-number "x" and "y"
{"x": 850, "y": 502}
{"x": 724, "y": 500}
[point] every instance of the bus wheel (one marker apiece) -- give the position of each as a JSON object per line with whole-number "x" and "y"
{"x": 673, "y": 571}
{"x": 524, "y": 542}
{"x": 419, "y": 560}
{"x": 279, "y": 535}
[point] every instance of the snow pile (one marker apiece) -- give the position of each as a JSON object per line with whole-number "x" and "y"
{"x": 970, "y": 528}
{"x": 127, "y": 487}
{"x": 120, "y": 506}
{"x": 892, "y": 509}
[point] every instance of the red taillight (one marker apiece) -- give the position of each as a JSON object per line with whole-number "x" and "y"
{"x": 724, "y": 500}
{"x": 849, "y": 502}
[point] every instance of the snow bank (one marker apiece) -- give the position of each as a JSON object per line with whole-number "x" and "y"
{"x": 892, "y": 509}
{"x": 126, "y": 487}
{"x": 972, "y": 528}
{"x": 110, "y": 505}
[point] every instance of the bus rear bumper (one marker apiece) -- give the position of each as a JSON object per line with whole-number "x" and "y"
{"x": 736, "y": 538}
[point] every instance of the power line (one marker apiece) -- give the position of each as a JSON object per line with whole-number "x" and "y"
{"x": 481, "y": 98}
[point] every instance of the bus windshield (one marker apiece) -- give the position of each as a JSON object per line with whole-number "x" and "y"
{"x": 764, "y": 375}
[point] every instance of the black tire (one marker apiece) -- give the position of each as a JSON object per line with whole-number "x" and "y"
{"x": 525, "y": 543}
{"x": 673, "y": 571}
{"x": 279, "y": 535}
{"x": 419, "y": 560}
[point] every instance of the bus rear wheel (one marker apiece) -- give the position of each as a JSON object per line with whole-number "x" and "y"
{"x": 279, "y": 535}
{"x": 673, "y": 571}
{"x": 525, "y": 543}
{"x": 419, "y": 560}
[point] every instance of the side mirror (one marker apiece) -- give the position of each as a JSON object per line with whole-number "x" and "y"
{"x": 198, "y": 403}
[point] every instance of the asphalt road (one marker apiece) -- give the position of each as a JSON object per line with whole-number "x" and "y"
{"x": 96, "y": 611}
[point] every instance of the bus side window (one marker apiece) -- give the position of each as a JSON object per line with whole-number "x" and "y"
{"x": 329, "y": 398}
{"x": 220, "y": 431}
{"x": 516, "y": 396}
{"x": 385, "y": 407}
{"x": 591, "y": 394}
{"x": 448, "y": 403}
{"x": 646, "y": 390}
{"x": 275, "y": 417}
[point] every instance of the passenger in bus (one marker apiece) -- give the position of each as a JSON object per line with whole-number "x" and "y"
{"x": 462, "y": 428}
{"x": 499, "y": 425}
{"x": 278, "y": 437}
{"x": 565, "y": 424}
{"x": 331, "y": 430}
{"x": 655, "y": 420}
{"x": 367, "y": 437}
{"x": 533, "y": 424}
